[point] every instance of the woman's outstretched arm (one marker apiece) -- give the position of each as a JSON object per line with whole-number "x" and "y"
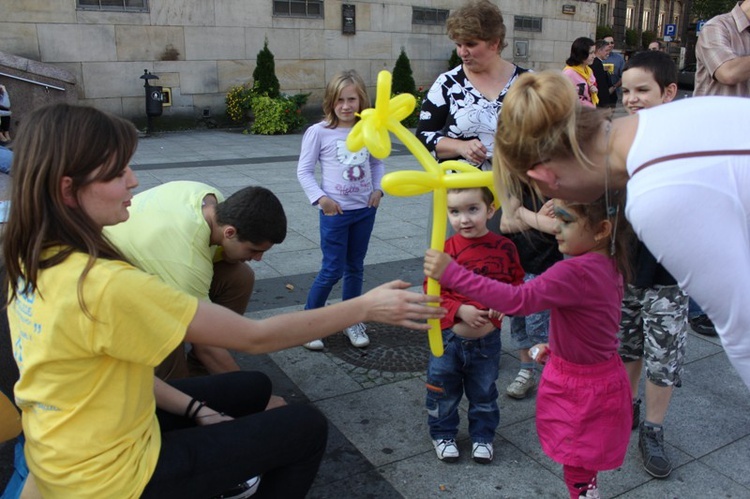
{"x": 389, "y": 303}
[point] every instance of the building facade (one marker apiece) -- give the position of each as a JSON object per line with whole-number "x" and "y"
{"x": 202, "y": 48}
{"x": 646, "y": 15}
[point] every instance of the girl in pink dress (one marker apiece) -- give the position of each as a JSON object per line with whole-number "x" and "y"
{"x": 583, "y": 411}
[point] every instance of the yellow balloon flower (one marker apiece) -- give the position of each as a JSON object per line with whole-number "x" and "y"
{"x": 372, "y": 132}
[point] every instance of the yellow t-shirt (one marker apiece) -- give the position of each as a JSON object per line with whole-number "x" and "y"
{"x": 166, "y": 235}
{"x": 86, "y": 386}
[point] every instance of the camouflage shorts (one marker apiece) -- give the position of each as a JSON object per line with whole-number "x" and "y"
{"x": 654, "y": 328}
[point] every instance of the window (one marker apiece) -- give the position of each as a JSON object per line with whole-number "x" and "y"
{"x": 646, "y": 20}
{"x": 527, "y": 23}
{"x": 423, "y": 15}
{"x": 603, "y": 15}
{"x": 298, "y": 8}
{"x": 629, "y": 17}
{"x": 660, "y": 24}
{"x": 114, "y": 5}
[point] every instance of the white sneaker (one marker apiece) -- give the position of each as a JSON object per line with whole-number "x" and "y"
{"x": 482, "y": 453}
{"x": 314, "y": 345}
{"x": 524, "y": 383}
{"x": 446, "y": 450}
{"x": 591, "y": 494}
{"x": 357, "y": 335}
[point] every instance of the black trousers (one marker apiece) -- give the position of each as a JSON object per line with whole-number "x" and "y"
{"x": 284, "y": 445}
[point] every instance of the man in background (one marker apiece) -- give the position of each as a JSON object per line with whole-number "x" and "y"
{"x": 723, "y": 54}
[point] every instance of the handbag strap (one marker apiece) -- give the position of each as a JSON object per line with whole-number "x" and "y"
{"x": 697, "y": 154}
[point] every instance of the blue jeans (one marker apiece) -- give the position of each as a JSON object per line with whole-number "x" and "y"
{"x": 471, "y": 366}
{"x": 6, "y": 158}
{"x": 694, "y": 310}
{"x": 529, "y": 330}
{"x": 343, "y": 239}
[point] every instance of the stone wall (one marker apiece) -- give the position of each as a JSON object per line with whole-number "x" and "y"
{"x": 216, "y": 42}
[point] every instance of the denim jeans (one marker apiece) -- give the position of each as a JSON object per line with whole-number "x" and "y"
{"x": 343, "y": 239}
{"x": 6, "y": 158}
{"x": 530, "y": 329}
{"x": 470, "y": 366}
{"x": 694, "y": 310}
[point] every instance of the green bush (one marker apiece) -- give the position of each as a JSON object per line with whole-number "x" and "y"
{"x": 454, "y": 60}
{"x": 604, "y": 31}
{"x": 403, "y": 78}
{"x": 412, "y": 120}
{"x": 631, "y": 38}
{"x": 264, "y": 74}
{"x": 647, "y": 37}
{"x": 277, "y": 115}
{"x": 239, "y": 103}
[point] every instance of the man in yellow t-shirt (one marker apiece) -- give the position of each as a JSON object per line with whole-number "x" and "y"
{"x": 193, "y": 239}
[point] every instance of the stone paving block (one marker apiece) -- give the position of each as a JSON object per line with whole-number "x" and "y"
{"x": 731, "y": 461}
{"x": 691, "y": 481}
{"x": 511, "y": 475}
{"x": 316, "y": 375}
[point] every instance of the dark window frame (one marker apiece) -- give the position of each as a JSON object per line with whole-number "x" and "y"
{"x": 527, "y": 23}
{"x": 112, "y": 6}
{"x": 429, "y": 16}
{"x": 305, "y": 9}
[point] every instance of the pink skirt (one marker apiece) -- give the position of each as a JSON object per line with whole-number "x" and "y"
{"x": 584, "y": 413}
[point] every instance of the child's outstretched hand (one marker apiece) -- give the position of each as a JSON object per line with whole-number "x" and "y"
{"x": 540, "y": 353}
{"x": 435, "y": 263}
{"x": 547, "y": 209}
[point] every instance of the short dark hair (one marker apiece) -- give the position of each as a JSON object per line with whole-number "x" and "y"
{"x": 256, "y": 213}
{"x": 659, "y": 64}
{"x": 579, "y": 51}
{"x": 600, "y": 44}
{"x": 487, "y": 196}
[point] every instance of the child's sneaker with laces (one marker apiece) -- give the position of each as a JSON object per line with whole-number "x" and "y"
{"x": 482, "y": 453}
{"x": 651, "y": 444}
{"x": 357, "y": 335}
{"x": 446, "y": 449}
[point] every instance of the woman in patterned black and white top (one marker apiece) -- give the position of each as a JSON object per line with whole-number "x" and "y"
{"x": 459, "y": 114}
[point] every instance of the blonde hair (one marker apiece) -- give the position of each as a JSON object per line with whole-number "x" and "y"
{"x": 333, "y": 92}
{"x": 541, "y": 119}
{"x": 477, "y": 20}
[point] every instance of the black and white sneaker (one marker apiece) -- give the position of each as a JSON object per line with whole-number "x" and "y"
{"x": 446, "y": 450}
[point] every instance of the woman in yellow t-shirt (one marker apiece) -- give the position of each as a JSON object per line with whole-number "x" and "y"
{"x": 88, "y": 329}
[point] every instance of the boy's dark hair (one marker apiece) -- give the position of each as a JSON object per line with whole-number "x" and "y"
{"x": 600, "y": 44}
{"x": 487, "y": 195}
{"x": 659, "y": 64}
{"x": 256, "y": 213}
